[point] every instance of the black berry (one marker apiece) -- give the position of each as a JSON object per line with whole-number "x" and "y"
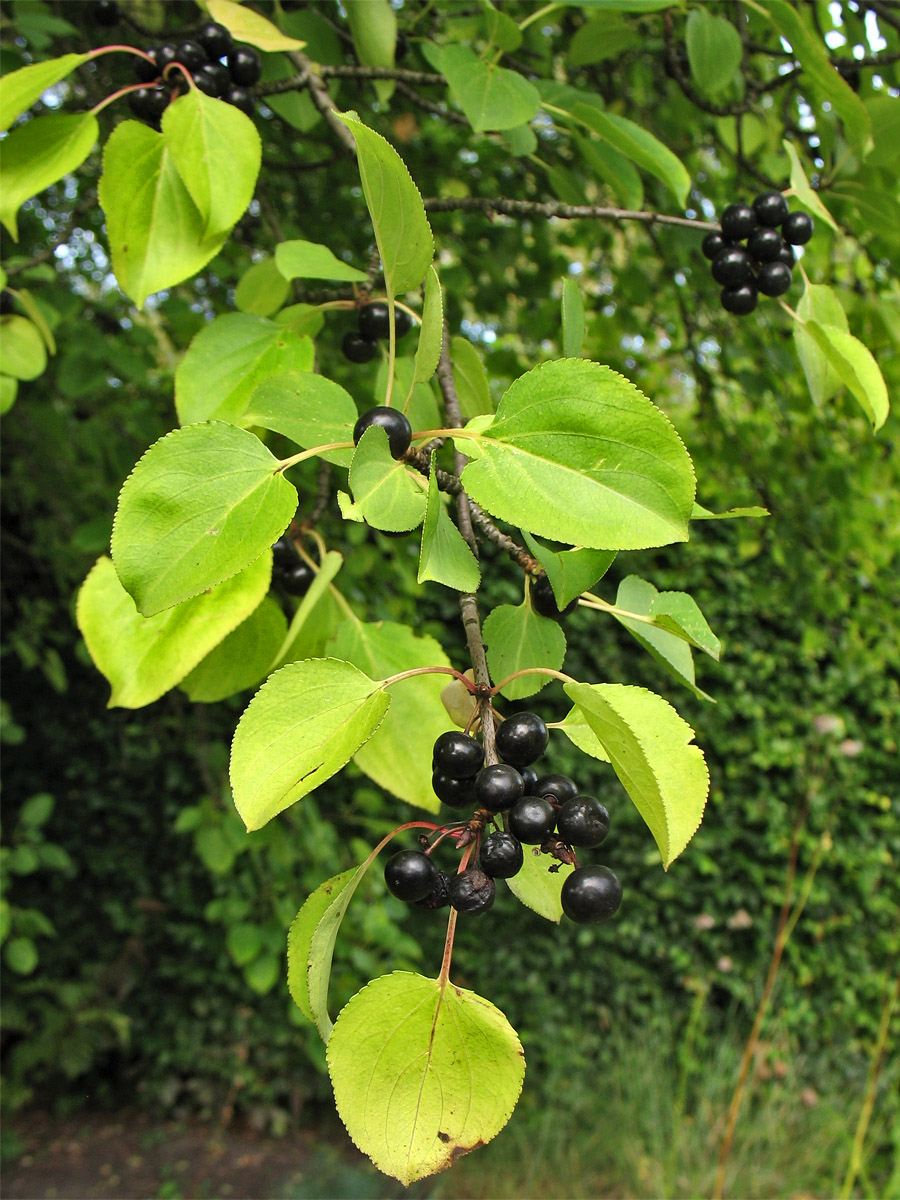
{"x": 245, "y": 66}
{"x": 555, "y": 787}
{"x": 191, "y": 55}
{"x": 739, "y": 300}
{"x": 410, "y": 875}
{"x": 105, "y": 12}
{"x": 165, "y": 55}
{"x": 774, "y": 279}
{"x": 544, "y": 602}
{"x": 522, "y": 739}
{"x": 455, "y": 793}
{"x": 765, "y": 245}
{"x": 439, "y": 896}
{"x": 498, "y": 786}
{"x": 146, "y": 70}
{"x": 297, "y": 580}
{"x": 529, "y": 778}
{"x": 357, "y": 348}
{"x": 284, "y": 553}
{"x": 458, "y": 755}
{"x": 148, "y": 103}
{"x": 394, "y": 424}
{"x": 471, "y": 891}
{"x": 787, "y": 255}
{"x": 738, "y": 221}
{"x": 207, "y": 80}
{"x": 375, "y": 321}
{"x": 7, "y": 303}
{"x": 797, "y": 228}
{"x": 241, "y": 99}
{"x": 770, "y": 208}
{"x": 532, "y": 819}
{"x": 501, "y": 855}
{"x": 583, "y": 821}
{"x": 591, "y": 895}
{"x": 731, "y": 266}
{"x": 712, "y": 244}
{"x": 215, "y": 39}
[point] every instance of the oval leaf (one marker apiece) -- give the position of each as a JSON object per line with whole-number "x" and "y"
{"x": 445, "y": 556}
{"x": 423, "y": 1072}
{"x": 539, "y": 883}
{"x": 24, "y": 352}
{"x": 40, "y": 152}
{"x": 242, "y": 659}
{"x": 491, "y": 96}
{"x": 517, "y": 638}
{"x": 374, "y": 29}
{"x": 649, "y": 747}
{"x": 20, "y": 89}
{"x": 309, "y": 409}
{"x": 304, "y": 724}
{"x": 640, "y": 146}
{"x": 143, "y": 657}
{"x": 203, "y": 503}
{"x": 386, "y": 493}
{"x": 856, "y": 367}
{"x": 308, "y": 973}
{"x": 577, "y": 453}
{"x": 309, "y": 260}
{"x": 245, "y": 25}
{"x": 570, "y": 572}
{"x": 431, "y": 331}
{"x": 713, "y": 49}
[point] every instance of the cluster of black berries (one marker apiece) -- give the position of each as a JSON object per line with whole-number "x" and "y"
{"x": 289, "y": 572}
{"x": 374, "y": 321}
{"x": 216, "y": 65}
{"x": 764, "y": 265}
{"x": 546, "y": 811}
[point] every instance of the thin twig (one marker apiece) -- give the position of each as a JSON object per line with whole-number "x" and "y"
{"x": 554, "y": 208}
{"x": 319, "y": 95}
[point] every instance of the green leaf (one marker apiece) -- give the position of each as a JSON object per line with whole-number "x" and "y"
{"x": 538, "y": 887}
{"x": 309, "y": 409}
{"x": 580, "y": 734}
{"x": 37, "y": 810}
{"x": 423, "y": 1072}
{"x": 20, "y": 89}
{"x": 819, "y": 74}
{"x": 311, "y": 939}
{"x": 203, "y": 503}
{"x": 572, "y": 318}
{"x": 522, "y": 140}
{"x": 649, "y": 747}
{"x": 24, "y": 352}
{"x": 713, "y": 49}
{"x": 402, "y": 232}
{"x": 699, "y": 513}
{"x": 20, "y": 954}
{"x": 604, "y": 36}
{"x": 302, "y": 318}
{"x": 445, "y": 556}
{"x": 228, "y": 359}
{"x": 640, "y": 146}
{"x": 884, "y": 113}
{"x": 386, "y": 493}
{"x": 431, "y": 331}
{"x": 245, "y": 941}
{"x": 570, "y": 572}
{"x": 517, "y": 638}
{"x": 8, "y": 390}
{"x": 245, "y": 25}
{"x": 242, "y": 659}
{"x": 421, "y": 408}
{"x": 143, "y": 657}
{"x": 217, "y": 152}
{"x": 801, "y": 190}
{"x": 576, "y": 453}
{"x": 491, "y": 96}
{"x": 262, "y": 973}
{"x": 262, "y": 289}
{"x": 398, "y": 756}
{"x": 309, "y": 260}
{"x": 470, "y": 378}
{"x": 39, "y": 153}
{"x": 35, "y": 314}
{"x": 821, "y": 304}
{"x": 316, "y": 617}
{"x": 617, "y": 171}
{"x": 855, "y": 364}
{"x": 157, "y": 235}
{"x": 304, "y": 724}
{"x": 374, "y": 29}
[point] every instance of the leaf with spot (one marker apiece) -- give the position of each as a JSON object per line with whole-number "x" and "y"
{"x": 423, "y": 1072}
{"x": 539, "y": 888}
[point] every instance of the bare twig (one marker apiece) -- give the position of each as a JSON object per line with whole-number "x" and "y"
{"x": 321, "y": 99}
{"x": 553, "y": 208}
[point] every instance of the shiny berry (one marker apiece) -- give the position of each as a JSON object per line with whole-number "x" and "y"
{"x": 146, "y": 70}
{"x": 712, "y": 244}
{"x": 191, "y": 55}
{"x": 522, "y": 739}
{"x": 165, "y": 55}
{"x": 583, "y": 821}
{"x": 240, "y": 98}
{"x": 770, "y": 208}
{"x": 555, "y": 787}
{"x": 410, "y": 875}
{"x": 501, "y": 855}
{"x": 215, "y": 39}
{"x": 797, "y": 228}
{"x": 774, "y": 279}
{"x": 731, "y": 266}
{"x": 394, "y": 424}
{"x": 738, "y": 221}
{"x": 471, "y": 891}
{"x": 787, "y": 255}
{"x": 439, "y": 896}
{"x": 590, "y": 895}
{"x": 544, "y": 602}
{"x": 244, "y": 66}
{"x": 739, "y": 300}
{"x": 357, "y": 348}
{"x": 532, "y": 819}
{"x": 206, "y": 80}
{"x": 458, "y": 755}
{"x": 297, "y": 580}
{"x": 455, "y": 793}
{"x": 284, "y": 552}
{"x": 498, "y": 786}
{"x": 148, "y": 103}
{"x": 765, "y": 245}
{"x": 7, "y": 303}
{"x": 529, "y": 778}
{"x": 375, "y": 321}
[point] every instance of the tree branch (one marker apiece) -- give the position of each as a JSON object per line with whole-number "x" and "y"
{"x": 553, "y": 208}
{"x": 321, "y": 99}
